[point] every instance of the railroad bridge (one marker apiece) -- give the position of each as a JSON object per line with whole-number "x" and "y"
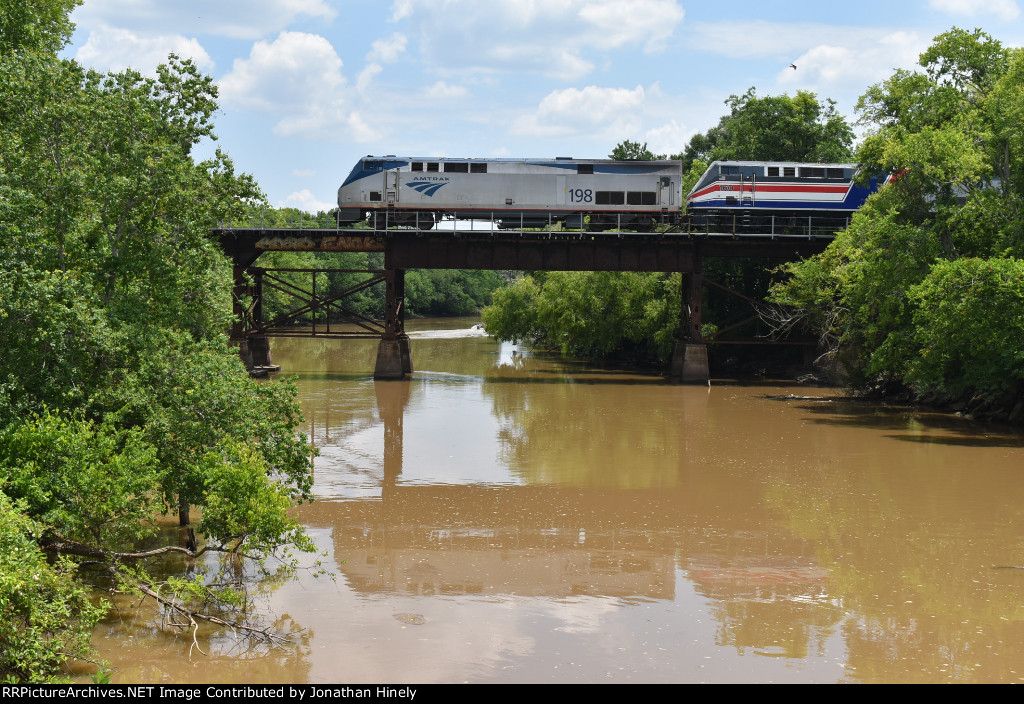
{"x": 484, "y": 245}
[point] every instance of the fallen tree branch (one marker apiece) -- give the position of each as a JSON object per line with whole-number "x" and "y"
{"x": 193, "y": 616}
{"x": 70, "y": 547}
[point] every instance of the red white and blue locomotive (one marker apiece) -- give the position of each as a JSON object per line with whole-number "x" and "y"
{"x": 598, "y": 194}
{"x": 781, "y": 192}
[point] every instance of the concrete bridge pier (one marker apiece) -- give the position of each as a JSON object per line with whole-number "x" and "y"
{"x": 690, "y": 354}
{"x": 690, "y": 363}
{"x": 259, "y": 344}
{"x": 254, "y": 349}
{"x": 241, "y": 291}
{"x": 394, "y": 359}
{"x": 259, "y": 348}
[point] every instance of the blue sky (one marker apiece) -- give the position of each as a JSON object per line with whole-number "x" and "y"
{"x": 309, "y": 86}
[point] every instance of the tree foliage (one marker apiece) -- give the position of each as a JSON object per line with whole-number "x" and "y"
{"x": 47, "y": 612}
{"x": 627, "y": 150}
{"x": 35, "y": 25}
{"x": 924, "y": 288}
{"x": 119, "y": 396}
{"x": 774, "y": 128}
{"x": 589, "y": 314}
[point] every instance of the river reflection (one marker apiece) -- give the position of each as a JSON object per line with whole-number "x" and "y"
{"x": 506, "y": 517}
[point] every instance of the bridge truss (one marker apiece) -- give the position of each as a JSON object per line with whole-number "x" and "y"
{"x": 492, "y": 244}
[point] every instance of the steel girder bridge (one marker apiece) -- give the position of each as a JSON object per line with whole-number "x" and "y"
{"x": 490, "y": 244}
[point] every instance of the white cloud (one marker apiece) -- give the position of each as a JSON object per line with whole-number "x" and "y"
{"x": 669, "y": 138}
{"x": 779, "y": 41}
{"x": 401, "y": 9}
{"x": 298, "y": 77}
{"x": 444, "y": 91}
{"x": 555, "y": 38}
{"x": 592, "y": 103}
{"x": 332, "y": 122}
{"x": 387, "y": 50}
{"x": 366, "y": 76}
{"x": 305, "y": 201}
{"x": 110, "y": 49}
{"x": 594, "y": 110}
{"x": 830, "y": 59}
{"x": 623, "y": 22}
{"x": 240, "y": 19}
{"x": 853, "y": 64}
{"x": 285, "y": 74}
{"x": 1003, "y": 9}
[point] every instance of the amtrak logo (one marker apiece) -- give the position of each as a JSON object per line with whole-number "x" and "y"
{"x": 428, "y": 188}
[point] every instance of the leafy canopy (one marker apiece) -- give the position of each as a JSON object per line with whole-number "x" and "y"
{"x": 924, "y": 288}
{"x": 42, "y": 25}
{"x": 776, "y": 128}
{"x": 119, "y": 396}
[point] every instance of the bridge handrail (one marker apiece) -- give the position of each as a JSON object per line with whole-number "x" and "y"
{"x": 691, "y": 225}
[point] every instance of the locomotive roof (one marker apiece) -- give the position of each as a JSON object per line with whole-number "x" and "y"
{"x": 529, "y": 160}
{"x": 784, "y": 163}
{"x": 370, "y": 164}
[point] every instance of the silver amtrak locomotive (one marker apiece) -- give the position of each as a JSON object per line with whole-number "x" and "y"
{"x": 598, "y": 194}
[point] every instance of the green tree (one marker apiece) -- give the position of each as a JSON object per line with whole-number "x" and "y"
{"x": 775, "y": 128}
{"x": 589, "y": 314}
{"x": 445, "y": 292}
{"x": 627, "y": 150}
{"x": 119, "y": 396}
{"x": 923, "y": 289}
{"x": 47, "y": 613}
{"x": 43, "y": 25}
{"x": 968, "y": 326}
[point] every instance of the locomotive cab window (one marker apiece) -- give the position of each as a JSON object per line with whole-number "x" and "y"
{"x": 725, "y": 170}
{"x": 584, "y": 168}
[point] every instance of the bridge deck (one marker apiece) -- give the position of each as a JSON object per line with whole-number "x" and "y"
{"x": 529, "y": 249}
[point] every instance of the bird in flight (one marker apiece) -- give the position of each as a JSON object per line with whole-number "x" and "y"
{"x": 793, "y": 66}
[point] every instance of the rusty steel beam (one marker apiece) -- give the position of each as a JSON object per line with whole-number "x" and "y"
{"x": 520, "y": 250}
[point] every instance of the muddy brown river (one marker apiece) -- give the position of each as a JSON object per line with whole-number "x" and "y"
{"x": 504, "y": 517}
